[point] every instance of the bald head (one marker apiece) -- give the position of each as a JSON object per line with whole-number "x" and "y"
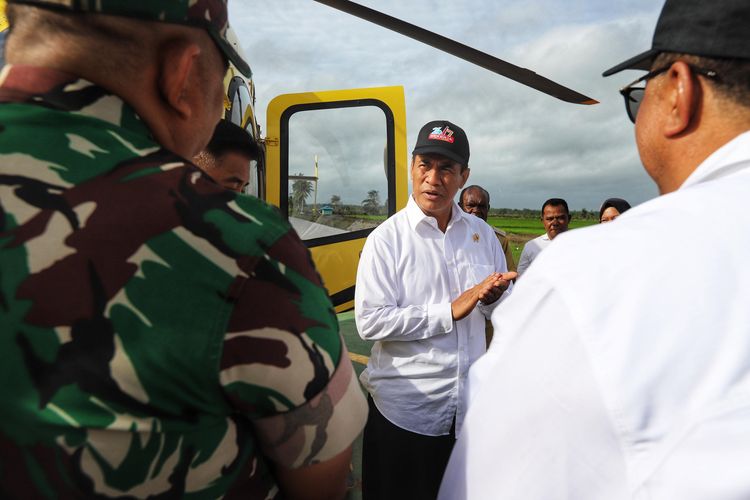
{"x": 475, "y": 200}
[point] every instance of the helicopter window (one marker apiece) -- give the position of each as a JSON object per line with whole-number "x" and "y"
{"x": 337, "y": 182}
{"x": 236, "y": 117}
{"x": 245, "y": 110}
{"x": 241, "y": 105}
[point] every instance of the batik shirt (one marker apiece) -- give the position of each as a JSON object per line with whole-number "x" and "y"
{"x": 159, "y": 336}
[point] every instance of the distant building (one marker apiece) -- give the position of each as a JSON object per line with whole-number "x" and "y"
{"x": 326, "y": 210}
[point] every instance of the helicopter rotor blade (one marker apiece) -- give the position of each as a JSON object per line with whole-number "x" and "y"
{"x": 472, "y": 55}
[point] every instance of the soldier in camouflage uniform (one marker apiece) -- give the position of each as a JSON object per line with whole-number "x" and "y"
{"x": 160, "y": 336}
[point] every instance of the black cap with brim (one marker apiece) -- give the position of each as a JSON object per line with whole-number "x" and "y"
{"x": 226, "y": 45}
{"x": 641, "y": 61}
{"x": 697, "y": 27}
{"x": 426, "y": 150}
{"x": 442, "y": 137}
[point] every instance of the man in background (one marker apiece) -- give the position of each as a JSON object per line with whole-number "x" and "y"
{"x": 625, "y": 367}
{"x": 160, "y": 336}
{"x": 475, "y": 200}
{"x": 555, "y": 217}
{"x": 228, "y": 156}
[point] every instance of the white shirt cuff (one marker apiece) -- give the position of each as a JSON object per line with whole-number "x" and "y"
{"x": 439, "y": 318}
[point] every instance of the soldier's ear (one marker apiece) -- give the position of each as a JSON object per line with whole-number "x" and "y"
{"x": 178, "y": 73}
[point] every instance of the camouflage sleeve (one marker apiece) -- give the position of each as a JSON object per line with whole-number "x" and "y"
{"x": 284, "y": 365}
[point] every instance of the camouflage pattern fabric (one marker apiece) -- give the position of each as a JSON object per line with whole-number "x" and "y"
{"x": 208, "y": 14}
{"x": 160, "y": 336}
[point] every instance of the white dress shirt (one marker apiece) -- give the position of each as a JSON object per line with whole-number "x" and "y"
{"x": 531, "y": 250}
{"x": 623, "y": 366}
{"x": 409, "y": 272}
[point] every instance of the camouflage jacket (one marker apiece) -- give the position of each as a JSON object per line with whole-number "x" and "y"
{"x": 159, "y": 336}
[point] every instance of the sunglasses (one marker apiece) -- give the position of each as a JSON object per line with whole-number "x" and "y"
{"x": 634, "y": 95}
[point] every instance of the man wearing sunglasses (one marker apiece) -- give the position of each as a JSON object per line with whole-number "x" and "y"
{"x": 624, "y": 370}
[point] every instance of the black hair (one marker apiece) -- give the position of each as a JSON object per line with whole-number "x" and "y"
{"x": 617, "y": 203}
{"x": 732, "y": 75}
{"x": 556, "y": 202}
{"x": 230, "y": 137}
{"x": 473, "y": 186}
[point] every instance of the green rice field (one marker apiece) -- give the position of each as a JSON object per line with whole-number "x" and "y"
{"x": 520, "y": 230}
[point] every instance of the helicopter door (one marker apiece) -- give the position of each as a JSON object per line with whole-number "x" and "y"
{"x": 337, "y": 167}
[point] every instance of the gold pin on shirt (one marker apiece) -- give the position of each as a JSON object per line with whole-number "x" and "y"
{"x": 475, "y": 238}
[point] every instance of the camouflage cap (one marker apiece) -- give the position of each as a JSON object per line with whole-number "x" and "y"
{"x": 208, "y": 14}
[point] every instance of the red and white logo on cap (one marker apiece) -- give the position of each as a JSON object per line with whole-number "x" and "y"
{"x": 442, "y": 134}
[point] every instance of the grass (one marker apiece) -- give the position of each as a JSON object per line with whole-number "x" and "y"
{"x": 520, "y": 230}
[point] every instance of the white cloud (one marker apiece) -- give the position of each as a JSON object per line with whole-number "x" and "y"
{"x": 526, "y": 146}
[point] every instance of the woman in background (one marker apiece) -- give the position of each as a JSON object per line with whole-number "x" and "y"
{"x": 612, "y": 208}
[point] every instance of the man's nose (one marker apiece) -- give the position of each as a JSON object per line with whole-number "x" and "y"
{"x": 432, "y": 176}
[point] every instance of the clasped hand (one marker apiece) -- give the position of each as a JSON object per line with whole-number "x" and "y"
{"x": 486, "y": 292}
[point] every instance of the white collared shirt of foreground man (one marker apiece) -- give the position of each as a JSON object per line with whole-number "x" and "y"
{"x": 584, "y": 407}
{"x": 622, "y": 369}
{"x": 408, "y": 274}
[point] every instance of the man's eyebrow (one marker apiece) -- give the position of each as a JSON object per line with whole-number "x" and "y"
{"x": 234, "y": 178}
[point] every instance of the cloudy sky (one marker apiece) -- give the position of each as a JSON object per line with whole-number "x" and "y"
{"x": 525, "y": 146}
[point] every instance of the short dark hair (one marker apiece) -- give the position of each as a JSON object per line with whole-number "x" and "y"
{"x": 473, "y": 186}
{"x": 230, "y": 137}
{"x": 732, "y": 75}
{"x": 556, "y": 202}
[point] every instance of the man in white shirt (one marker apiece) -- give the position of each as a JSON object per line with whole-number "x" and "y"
{"x": 555, "y": 217}
{"x": 427, "y": 279}
{"x": 624, "y": 366}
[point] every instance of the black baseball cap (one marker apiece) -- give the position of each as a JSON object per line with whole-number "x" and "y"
{"x": 443, "y": 138}
{"x": 697, "y": 27}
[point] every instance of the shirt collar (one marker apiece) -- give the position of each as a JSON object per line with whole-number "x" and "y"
{"x": 63, "y": 91}
{"x": 415, "y": 215}
{"x": 722, "y": 161}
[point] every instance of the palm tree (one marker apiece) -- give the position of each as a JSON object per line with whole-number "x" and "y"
{"x": 301, "y": 189}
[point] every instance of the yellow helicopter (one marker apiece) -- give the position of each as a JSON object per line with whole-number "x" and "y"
{"x": 335, "y": 233}
{"x": 302, "y": 158}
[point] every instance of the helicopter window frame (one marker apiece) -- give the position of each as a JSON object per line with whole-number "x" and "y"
{"x": 240, "y": 102}
{"x": 241, "y": 99}
{"x": 390, "y": 169}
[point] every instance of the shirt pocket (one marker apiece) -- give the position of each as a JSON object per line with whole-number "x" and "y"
{"x": 478, "y": 272}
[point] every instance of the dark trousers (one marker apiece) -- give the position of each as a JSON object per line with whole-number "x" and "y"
{"x": 398, "y": 464}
